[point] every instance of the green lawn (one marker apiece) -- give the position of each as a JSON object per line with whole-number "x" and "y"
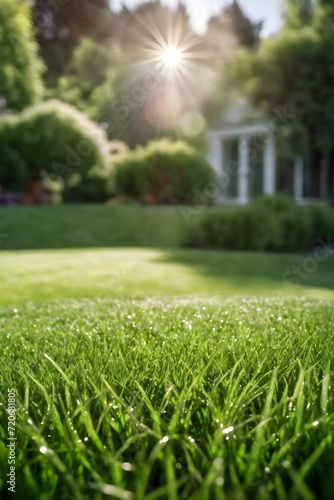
{"x": 55, "y": 274}
{"x": 160, "y": 373}
{"x": 170, "y": 399}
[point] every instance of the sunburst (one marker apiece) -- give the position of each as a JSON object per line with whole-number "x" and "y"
{"x": 171, "y": 57}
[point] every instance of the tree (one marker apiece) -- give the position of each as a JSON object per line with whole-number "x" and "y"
{"x": 152, "y": 25}
{"x": 295, "y": 71}
{"x": 299, "y": 12}
{"x": 90, "y": 78}
{"x": 146, "y": 89}
{"x": 231, "y": 29}
{"x": 62, "y": 25}
{"x": 227, "y": 32}
{"x": 20, "y": 67}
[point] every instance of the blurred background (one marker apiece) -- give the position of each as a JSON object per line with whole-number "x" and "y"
{"x": 169, "y": 124}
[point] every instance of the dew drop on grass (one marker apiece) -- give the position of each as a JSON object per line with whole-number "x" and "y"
{"x": 315, "y": 424}
{"x": 164, "y": 439}
{"x": 218, "y": 462}
{"x": 126, "y": 466}
{"x": 228, "y": 430}
{"x": 43, "y": 449}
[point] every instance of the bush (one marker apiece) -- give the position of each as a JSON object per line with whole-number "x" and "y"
{"x": 13, "y": 171}
{"x": 95, "y": 187}
{"x": 58, "y": 140}
{"x": 162, "y": 172}
{"x": 322, "y": 220}
{"x": 267, "y": 224}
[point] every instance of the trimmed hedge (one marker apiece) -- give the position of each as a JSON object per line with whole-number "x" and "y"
{"x": 274, "y": 224}
{"x": 162, "y": 172}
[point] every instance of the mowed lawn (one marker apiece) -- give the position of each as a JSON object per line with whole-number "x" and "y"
{"x": 199, "y": 398}
{"x": 113, "y": 273}
{"x": 162, "y": 373}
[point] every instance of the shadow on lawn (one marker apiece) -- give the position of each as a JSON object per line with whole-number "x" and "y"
{"x": 249, "y": 269}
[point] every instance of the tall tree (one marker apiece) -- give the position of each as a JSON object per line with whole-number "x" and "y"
{"x": 299, "y": 12}
{"x": 231, "y": 29}
{"x": 227, "y": 32}
{"x": 61, "y": 26}
{"x": 20, "y": 67}
{"x": 295, "y": 71}
{"x": 91, "y": 77}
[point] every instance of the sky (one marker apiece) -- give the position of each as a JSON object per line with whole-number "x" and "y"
{"x": 269, "y": 11}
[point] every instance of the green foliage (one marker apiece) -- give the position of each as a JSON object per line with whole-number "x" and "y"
{"x": 322, "y": 220}
{"x": 60, "y": 140}
{"x": 90, "y": 79}
{"x": 94, "y": 187}
{"x": 279, "y": 224}
{"x": 294, "y": 71}
{"x": 72, "y": 20}
{"x": 268, "y": 224}
{"x": 299, "y": 12}
{"x": 20, "y": 67}
{"x": 53, "y": 138}
{"x": 163, "y": 171}
{"x": 13, "y": 171}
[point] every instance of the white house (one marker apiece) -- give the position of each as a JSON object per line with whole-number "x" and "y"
{"x": 243, "y": 152}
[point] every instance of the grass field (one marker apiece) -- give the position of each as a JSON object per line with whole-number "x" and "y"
{"x": 165, "y": 399}
{"x": 89, "y": 273}
{"x": 144, "y": 373}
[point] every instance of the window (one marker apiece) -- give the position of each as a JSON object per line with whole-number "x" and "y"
{"x": 231, "y": 161}
{"x": 285, "y": 176}
{"x": 255, "y": 155}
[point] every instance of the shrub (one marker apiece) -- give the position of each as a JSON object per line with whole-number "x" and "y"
{"x": 13, "y": 171}
{"x": 220, "y": 228}
{"x": 94, "y": 187}
{"x": 279, "y": 224}
{"x": 267, "y": 224}
{"x": 58, "y": 140}
{"x": 162, "y": 172}
{"x": 322, "y": 221}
